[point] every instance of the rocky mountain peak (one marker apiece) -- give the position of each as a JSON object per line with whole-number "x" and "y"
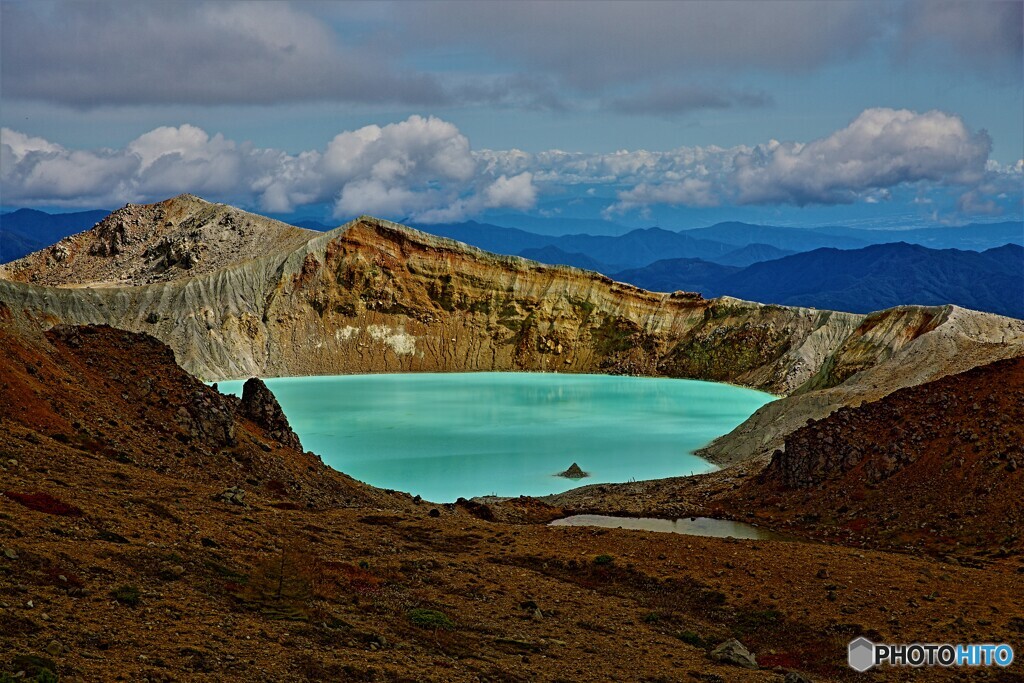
{"x": 138, "y": 244}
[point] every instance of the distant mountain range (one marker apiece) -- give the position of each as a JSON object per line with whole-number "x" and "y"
{"x": 856, "y": 280}
{"x": 27, "y": 230}
{"x": 732, "y": 243}
{"x": 832, "y": 267}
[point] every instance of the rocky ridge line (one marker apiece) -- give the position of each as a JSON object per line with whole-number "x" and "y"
{"x": 375, "y": 296}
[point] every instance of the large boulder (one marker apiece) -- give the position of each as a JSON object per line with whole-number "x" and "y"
{"x": 733, "y": 651}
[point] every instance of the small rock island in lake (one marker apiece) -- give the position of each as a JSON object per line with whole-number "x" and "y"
{"x": 574, "y": 472}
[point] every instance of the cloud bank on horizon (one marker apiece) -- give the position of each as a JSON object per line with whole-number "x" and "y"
{"x": 424, "y": 169}
{"x": 710, "y": 104}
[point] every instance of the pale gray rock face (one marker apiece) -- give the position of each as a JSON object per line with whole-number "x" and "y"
{"x": 734, "y": 652}
{"x": 259, "y": 298}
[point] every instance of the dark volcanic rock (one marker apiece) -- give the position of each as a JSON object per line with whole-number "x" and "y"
{"x": 574, "y": 472}
{"x": 209, "y": 419}
{"x": 933, "y": 467}
{"x": 260, "y": 405}
{"x": 877, "y": 440}
{"x": 478, "y": 510}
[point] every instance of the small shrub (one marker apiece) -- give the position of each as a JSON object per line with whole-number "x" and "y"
{"x": 691, "y": 638}
{"x": 603, "y": 560}
{"x": 45, "y": 503}
{"x": 359, "y": 580}
{"x": 431, "y": 618}
{"x": 127, "y": 595}
{"x": 651, "y": 618}
{"x": 757, "y": 620}
{"x": 36, "y": 668}
{"x": 44, "y": 676}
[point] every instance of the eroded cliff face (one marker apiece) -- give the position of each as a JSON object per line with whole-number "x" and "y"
{"x": 377, "y": 297}
{"x": 374, "y": 296}
{"x": 882, "y": 356}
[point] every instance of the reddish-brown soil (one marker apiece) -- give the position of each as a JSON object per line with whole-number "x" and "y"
{"x": 937, "y": 468}
{"x": 318, "y": 577}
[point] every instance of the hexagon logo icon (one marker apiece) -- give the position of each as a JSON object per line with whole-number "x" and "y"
{"x": 861, "y": 654}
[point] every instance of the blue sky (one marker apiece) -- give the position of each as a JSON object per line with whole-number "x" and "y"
{"x": 801, "y": 113}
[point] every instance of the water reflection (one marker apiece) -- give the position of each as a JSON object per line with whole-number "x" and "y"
{"x": 691, "y": 526}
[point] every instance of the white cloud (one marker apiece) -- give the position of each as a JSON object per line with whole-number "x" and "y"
{"x": 517, "y": 192}
{"x": 20, "y": 144}
{"x": 688, "y": 192}
{"x": 973, "y": 202}
{"x": 34, "y": 169}
{"x": 188, "y": 142}
{"x": 881, "y": 148}
{"x": 424, "y": 169}
{"x": 419, "y": 168}
{"x": 402, "y": 168}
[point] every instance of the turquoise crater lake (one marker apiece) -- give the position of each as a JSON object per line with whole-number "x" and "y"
{"x": 443, "y": 436}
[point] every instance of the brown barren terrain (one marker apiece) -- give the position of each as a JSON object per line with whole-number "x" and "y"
{"x": 154, "y": 529}
{"x": 129, "y": 554}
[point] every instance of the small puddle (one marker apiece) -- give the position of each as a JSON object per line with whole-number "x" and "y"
{"x": 691, "y": 526}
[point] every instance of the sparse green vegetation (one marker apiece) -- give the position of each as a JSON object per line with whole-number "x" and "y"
{"x": 285, "y": 584}
{"x": 431, "y": 618}
{"x": 442, "y": 292}
{"x": 757, "y": 620}
{"x": 480, "y": 306}
{"x": 584, "y": 306}
{"x": 127, "y": 595}
{"x": 691, "y": 638}
{"x": 37, "y": 669}
{"x": 614, "y": 335}
{"x": 603, "y": 560}
{"x": 44, "y": 676}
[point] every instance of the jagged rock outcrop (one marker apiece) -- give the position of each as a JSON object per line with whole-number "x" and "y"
{"x": 375, "y": 296}
{"x": 260, "y": 405}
